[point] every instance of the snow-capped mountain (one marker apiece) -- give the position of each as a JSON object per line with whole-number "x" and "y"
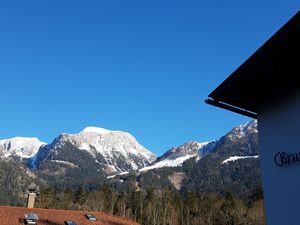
{"x": 95, "y": 154}
{"x": 177, "y": 156}
{"x": 189, "y": 148}
{"x": 242, "y": 131}
{"x": 19, "y": 147}
{"x": 112, "y": 151}
{"x": 238, "y": 144}
{"x": 232, "y": 163}
{"x": 245, "y": 135}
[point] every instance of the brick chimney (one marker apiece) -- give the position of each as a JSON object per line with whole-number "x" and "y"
{"x": 30, "y": 200}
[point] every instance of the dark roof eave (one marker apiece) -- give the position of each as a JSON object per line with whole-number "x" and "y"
{"x": 250, "y": 73}
{"x": 231, "y": 108}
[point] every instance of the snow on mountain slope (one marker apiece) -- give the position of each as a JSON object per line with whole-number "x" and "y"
{"x": 234, "y": 158}
{"x": 122, "y": 173}
{"x": 189, "y": 148}
{"x": 177, "y": 156}
{"x": 168, "y": 163}
{"x": 206, "y": 148}
{"x": 97, "y": 130}
{"x": 107, "y": 142}
{"x": 118, "y": 151}
{"x": 22, "y": 147}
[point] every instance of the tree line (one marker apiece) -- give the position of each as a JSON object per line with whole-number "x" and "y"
{"x": 161, "y": 207}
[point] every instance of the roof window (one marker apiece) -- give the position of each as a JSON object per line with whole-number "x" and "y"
{"x": 31, "y": 218}
{"x": 70, "y": 223}
{"x": 90, "y": 217}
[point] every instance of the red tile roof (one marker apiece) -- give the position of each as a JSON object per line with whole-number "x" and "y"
{"x": 15, "y": 216}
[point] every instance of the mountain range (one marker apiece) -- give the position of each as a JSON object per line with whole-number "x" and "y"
{"x": 96, "y": 155}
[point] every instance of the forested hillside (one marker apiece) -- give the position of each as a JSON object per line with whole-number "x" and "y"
{"x": 162, "y": 207}
{"x": 14, "y": 181}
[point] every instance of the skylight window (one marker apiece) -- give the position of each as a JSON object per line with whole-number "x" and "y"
{"x": 31, "y": 218}
{"x": 90, "y": 217}
{"x": 70, "y": 223}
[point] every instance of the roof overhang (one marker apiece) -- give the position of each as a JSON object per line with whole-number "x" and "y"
{"x": 269, "y": 74}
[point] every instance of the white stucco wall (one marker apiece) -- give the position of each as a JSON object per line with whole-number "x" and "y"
{"x": 279, "y": 131}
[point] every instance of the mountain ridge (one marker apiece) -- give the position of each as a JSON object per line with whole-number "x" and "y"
{"x": 92, "y": 157}
{"x": 22, "y": 147}
{"x": 176, "y": 156}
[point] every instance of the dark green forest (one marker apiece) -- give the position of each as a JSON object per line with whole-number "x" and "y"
{"x": 161, "y": 207}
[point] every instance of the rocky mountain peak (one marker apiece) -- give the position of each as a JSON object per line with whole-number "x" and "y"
{"x": 242, "y": 131}
{"x": 22, "y": 147}
{"x": 188, "y": 148}
{"x": 115, "y": 151}
{"x": 177, "y": 156}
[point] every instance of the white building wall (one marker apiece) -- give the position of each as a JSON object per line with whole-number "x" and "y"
{"x": 279, "y": 131}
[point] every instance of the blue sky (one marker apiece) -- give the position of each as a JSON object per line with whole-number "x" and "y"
{"x": 145, "y": 67}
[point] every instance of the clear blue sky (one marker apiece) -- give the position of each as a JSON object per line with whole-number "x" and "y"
{"x": 145, "y": 67}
